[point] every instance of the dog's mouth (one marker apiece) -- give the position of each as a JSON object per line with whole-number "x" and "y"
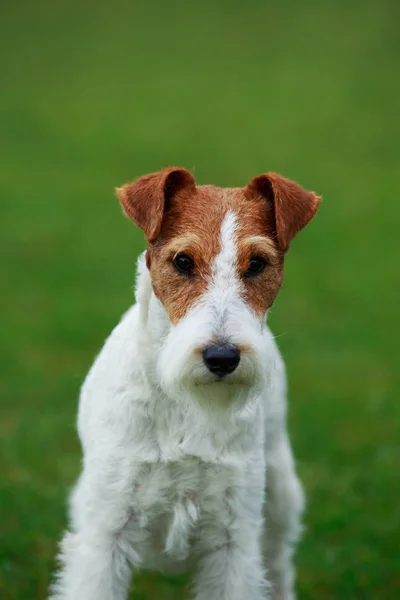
{"x": 226, "y": 381}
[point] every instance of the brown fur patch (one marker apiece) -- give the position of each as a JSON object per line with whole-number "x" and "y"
{"x": 145, "y": 200}
{"x": 179, "y": 217}
{"x": 193, "y": 226}
{"x": 260, "y": 290}
{"x": 293, "y": 206}
{"x": 193, "y": 223}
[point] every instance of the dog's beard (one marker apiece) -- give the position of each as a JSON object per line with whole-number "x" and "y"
{"x": 220, "y": 395}
{"x": 211, "y": 393}
{"x": 184, "y": 377}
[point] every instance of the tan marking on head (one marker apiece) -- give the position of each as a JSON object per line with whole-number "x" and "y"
{"x": 183, "y": 243}
{"x": 190, "y": 245}
{"x": 260, "y": 245}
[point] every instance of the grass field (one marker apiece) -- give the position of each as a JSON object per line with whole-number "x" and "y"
{"x": 94, "y": 94}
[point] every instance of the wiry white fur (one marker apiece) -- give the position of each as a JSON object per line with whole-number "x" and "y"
{"x": 175, "y": 462}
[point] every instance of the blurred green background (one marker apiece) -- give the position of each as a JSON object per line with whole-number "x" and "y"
{"x": 95, "y": 94}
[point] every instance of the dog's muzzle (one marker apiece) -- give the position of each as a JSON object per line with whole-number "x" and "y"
{"x": 221, "y": 360}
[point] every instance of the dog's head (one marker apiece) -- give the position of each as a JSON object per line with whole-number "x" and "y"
{"x": 215, "y": 256}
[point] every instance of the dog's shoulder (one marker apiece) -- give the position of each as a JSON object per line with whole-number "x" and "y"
{"x": 116, "y": 359}
{"x": 115, "y": 377}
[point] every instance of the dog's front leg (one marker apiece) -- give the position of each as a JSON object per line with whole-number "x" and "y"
{"x": 282, "y": 511}
{"x": 97, "y": 556}
{"x": 94, "y": 567}
{"x": 233, "y": 570}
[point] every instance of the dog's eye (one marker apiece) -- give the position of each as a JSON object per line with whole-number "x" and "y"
{"x": 257, "y": 265}
{"x": 184, "y": 264}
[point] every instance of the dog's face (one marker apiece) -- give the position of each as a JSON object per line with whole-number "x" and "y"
{"x": 215, "y": 257}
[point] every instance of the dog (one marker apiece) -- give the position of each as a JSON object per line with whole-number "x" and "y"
{"x": 186, "y": 458}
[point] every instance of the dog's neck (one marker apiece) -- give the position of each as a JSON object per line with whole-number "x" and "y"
{"x": 154, "y": 321}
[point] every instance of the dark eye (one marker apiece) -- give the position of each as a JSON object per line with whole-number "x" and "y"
{"x": 257, "y": 265}
{"x": 184, "y": 264}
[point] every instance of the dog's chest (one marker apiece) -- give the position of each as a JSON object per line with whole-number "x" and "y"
{"x": 198, "y": 473}
{"x": 173, "y": 500}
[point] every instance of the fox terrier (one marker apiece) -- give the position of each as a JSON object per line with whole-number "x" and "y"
{"x": 187, "y": 461}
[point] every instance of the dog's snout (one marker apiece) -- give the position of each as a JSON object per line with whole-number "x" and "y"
{"x": 221, "y": 360}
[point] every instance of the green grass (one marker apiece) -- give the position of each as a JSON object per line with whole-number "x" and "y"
{"x": 95, "y": 94}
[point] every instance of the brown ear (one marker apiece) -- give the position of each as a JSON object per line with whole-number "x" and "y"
{"x": 293, "y": 206}
{"x": 145, "y": 200}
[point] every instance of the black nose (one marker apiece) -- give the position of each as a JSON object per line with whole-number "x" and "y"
{"x": 221, "y": 360}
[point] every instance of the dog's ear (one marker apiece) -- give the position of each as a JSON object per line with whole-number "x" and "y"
{"x": 145, "y": 200}
{"x": 293, "y": 207}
